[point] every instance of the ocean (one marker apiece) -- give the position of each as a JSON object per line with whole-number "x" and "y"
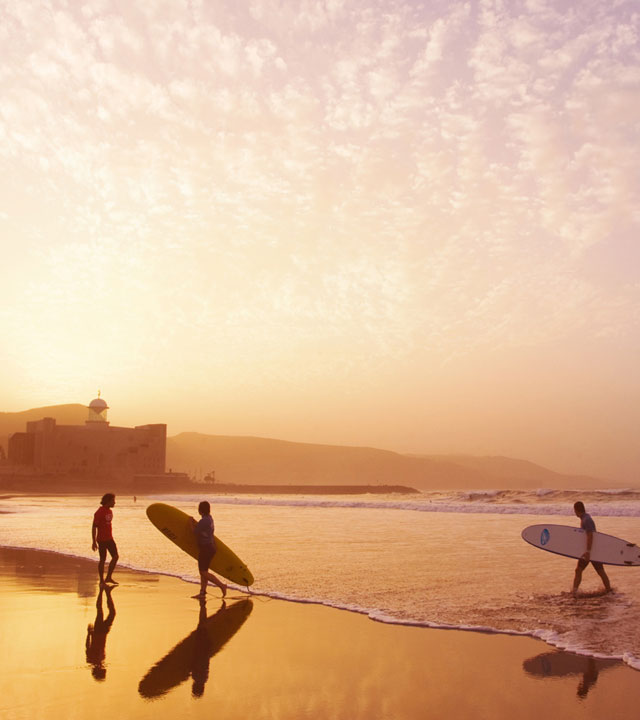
{"x": 441, "y": 559}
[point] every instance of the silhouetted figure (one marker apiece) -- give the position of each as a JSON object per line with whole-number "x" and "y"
{"x": 102, "y": 537}
{"x": 203, "y": 530}
{"x": 96, "y": 641}
{"x": 587, "y": 524}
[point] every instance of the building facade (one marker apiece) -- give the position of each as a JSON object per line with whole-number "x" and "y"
{"x": 95, "y": 449}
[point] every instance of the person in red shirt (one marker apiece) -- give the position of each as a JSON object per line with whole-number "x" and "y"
{"x": 102, "y": 538}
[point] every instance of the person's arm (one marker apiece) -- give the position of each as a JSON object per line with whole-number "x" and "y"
{"x": 587, "y": 554}
{"x": 94, "y": 536}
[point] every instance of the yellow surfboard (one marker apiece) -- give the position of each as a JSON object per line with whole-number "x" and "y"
{"x": 176, "y": 525}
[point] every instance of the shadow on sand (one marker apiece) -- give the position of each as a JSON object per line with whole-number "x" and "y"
{"x": 191, "y": 656}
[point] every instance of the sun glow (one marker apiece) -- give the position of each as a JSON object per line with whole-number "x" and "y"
{"x": 414, "y": 228}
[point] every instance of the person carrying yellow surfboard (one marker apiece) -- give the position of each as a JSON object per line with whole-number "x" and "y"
{"x": 203, "y": 531}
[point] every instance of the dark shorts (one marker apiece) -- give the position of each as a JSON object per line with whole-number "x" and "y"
{"x": 110, "y": 545}
{"x": 582, "y": 564}
{"x": 205, "y": 556}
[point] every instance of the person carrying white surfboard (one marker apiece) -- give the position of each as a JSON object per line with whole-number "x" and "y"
{"x": 587, "y": 524}
{"x": 203, "y": 530}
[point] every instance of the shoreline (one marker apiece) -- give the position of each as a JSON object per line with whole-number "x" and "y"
{"x": 159, "y": 649}
{"x": 373, "y": 616}
{"x": 212, "y": 489}
{"x": 234, "y": 489}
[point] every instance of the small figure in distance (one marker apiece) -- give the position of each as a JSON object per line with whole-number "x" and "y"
{"x": 203, "y": 530}
{"x": 102, "y": 538}
{"x": 587, "y": 524}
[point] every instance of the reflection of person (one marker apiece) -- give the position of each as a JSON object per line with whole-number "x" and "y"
{"x": 560, "y": 664}
{"x": 102, "y": 537}
{"x": 96, "y": 641}
{"x": 588, "y": 678}
{"x": 203, "y": 530}
{"x": 190, "y": 658}
{"x": 587, "y": 524}
{"x": 202, "y": 651}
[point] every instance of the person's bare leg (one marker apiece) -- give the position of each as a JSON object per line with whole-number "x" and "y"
{"x": 111, "y": 568}
{"x": 203, "y": 586}
{"x": 577, "y": 580}
{"x": 212, "y": 578}
{"x": 604, "y": 577}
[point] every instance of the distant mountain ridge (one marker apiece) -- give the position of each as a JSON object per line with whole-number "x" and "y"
{"x": 264, "y": 461}
{"x": 73, "y": 414}
{"x": 253, "y": 460}
{"x": 11, "y": 422}
{"x": 498, "y": 466}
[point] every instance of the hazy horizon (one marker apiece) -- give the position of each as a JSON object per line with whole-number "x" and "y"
{"x": 406, "y": 226}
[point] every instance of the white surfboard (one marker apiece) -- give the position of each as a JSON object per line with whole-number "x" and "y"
{"x": 572, "y": 542}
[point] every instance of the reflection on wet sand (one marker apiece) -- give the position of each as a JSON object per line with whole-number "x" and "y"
{"x": 96, "y": 641}
{"x": 561, "y": 664}
{"x": 190, "y": 657}
{"x": 50, "y": 571}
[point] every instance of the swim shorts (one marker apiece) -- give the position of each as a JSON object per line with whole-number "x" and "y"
{"x": 205, "y": 555}
{"x": 104, "y": 545}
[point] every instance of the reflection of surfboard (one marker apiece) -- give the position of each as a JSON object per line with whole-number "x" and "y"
{"x": 572, "y": 542}
{"x": 176, "y": 526}
{"x": 562, "y": 664}
{"x": 191, "y": 656}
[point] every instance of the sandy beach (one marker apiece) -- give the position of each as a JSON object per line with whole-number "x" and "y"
{"x": 147, "y": 650}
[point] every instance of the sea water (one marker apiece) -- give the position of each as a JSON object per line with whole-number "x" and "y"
{"x": 437, "y": 559}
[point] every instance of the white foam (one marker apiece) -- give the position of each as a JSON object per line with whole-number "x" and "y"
{"x": 631, "y": 660}
{"x": 561, "y": 641}
{"x": 470, "y": 505}
{"x": 62, "y": 529}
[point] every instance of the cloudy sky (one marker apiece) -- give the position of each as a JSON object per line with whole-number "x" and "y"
{"x": 410, "y": 225}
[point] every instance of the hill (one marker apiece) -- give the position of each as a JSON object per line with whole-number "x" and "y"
{"x": 11, "y": 422}
{"x": 498, "y": 469}
{"x": 251, "y": 460}
{"x": 263, "y": 461}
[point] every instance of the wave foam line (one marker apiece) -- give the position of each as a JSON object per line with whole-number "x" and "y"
{"x": 547, "y": 636}
{"x": 431, "y": 506}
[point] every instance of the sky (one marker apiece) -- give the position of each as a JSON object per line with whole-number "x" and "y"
{"x": 406, "y": 225}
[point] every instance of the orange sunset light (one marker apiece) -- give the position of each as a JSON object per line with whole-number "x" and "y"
{"x": 404, "y": 225}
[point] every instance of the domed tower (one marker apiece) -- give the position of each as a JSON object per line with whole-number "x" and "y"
{"x": 97, "y": 411}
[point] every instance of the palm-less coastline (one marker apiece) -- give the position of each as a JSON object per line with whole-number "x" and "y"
{"x": 440, "y": 559}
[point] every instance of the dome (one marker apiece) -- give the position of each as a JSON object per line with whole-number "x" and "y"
{"x": 98, "y": 404}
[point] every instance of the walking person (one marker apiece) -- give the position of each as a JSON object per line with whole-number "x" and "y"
{"x": 102, "y": 538}
{"x": 587, "y": 524}
{"x": 203, "y": 530}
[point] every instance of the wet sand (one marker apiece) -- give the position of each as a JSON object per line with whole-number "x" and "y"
{"x": 147, "y": 650}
